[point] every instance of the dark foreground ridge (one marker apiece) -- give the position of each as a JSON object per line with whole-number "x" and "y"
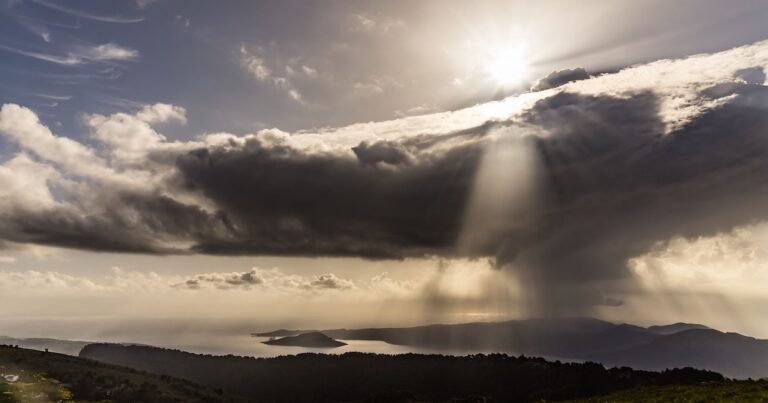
{"x": 311, "y": 340}
{"x": 359, "y": 376}
{"x": 53, "y": 377}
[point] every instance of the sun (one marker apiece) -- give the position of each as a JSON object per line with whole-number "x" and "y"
{"x": 506, "y": 65}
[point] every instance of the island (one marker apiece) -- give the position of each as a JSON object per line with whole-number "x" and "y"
{"x": 312, "y": 339}
{"x": 281, "y": 333}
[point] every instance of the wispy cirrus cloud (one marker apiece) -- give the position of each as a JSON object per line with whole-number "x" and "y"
{"x": 54, "y": 97}
{"x": 84, "y": 14}
{"x": 68, "y": 59}
{"x": 36, "y": 29}
{"x": 82, "y": 54}
{"x": 255, "y": 62}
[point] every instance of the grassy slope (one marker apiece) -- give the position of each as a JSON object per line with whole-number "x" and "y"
{"x": 56, "y": 377}
{"x": 729, "y": 391}
{"x": 5, "y": 393}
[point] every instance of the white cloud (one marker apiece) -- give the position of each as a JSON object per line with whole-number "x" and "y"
{"x": 331, "y": 281}
{"x": 108, "y": 52}
{"x": 309, "y": 71}
{"x": 256, "y": 64}
{"x": 732, "y": 261}
{"x": 370, "y": 23}
{"x": 223, "y": 280}
{"x": 256, "y": 280}
{"x": 24, "y": 185}
{"x": 265, "y": 280}
{"x": 160, "y": 113}
{"x": 130, "y": 137}
{"x": 23, "y": 127}
{"x": 126, "y": 295}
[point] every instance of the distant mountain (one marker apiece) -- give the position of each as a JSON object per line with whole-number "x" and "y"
{"x": 68, "y": 347}
{"x": 732, "y": 354}
{"x": 573, "y": 337}
{"x": 312, "y": 340}
{"x": 656, "y": 347}
{"x": 675, "y": 328}
{"x": 357, "y": 377}
{"x": 61, "y": 346}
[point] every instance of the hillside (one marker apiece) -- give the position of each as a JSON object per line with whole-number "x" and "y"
{"x": 54, "y": 377}
{"x": 729, "y": 353}
{"x": 358, "y": 376}
{"x": 725, "y": 392}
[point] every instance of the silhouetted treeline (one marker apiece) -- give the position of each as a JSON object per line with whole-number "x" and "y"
{"x": 362, "y": 376}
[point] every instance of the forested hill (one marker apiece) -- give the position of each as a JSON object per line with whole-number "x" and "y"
{"x": 359, "y": 376}
{"x": 52, "y": 377}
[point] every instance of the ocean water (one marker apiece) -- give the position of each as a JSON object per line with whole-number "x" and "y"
{"x": 247, "y": 345}
{"x": 200, "y": 337}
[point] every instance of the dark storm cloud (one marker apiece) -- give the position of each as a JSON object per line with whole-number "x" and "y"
{"x": 614, "y": 185}
{"x": 388, "y": 152}
{"x": 617, "y": 186}
{"x": 623, "y": 161}
{"x": 125, "y": 222}
{"x": 278, "y": 200}
{"x": 560, "y": 77}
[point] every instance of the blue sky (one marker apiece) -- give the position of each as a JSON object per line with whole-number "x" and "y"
{"x": 349, "y": 62}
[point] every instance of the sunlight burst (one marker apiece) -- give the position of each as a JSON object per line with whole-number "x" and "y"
{"x": 506, "y": 65}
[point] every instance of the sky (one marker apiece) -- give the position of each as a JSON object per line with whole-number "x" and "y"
{"x": 252, "y": 164}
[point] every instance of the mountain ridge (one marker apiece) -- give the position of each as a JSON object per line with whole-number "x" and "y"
{"x": 654, "y": 348}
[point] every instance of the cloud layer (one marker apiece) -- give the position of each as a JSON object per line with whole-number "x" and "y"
{"x": 563, "y": 186}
